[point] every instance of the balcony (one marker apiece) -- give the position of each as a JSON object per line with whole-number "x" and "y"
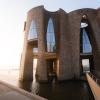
{"x": 85, "y": 55}
{"x": 33, "y": 39}
{"x": 50, "y": 55}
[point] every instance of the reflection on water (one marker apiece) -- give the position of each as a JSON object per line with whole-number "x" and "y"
{"x": 68, "y": 90}
{"x": 25, "y": 85}
{"x": 30, "y": 86}
{"x": 35, "y": 88}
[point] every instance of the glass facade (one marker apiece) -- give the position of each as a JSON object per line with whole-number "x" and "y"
{"x": 86, "y": 42}
{"x": 50, "y": 37}
{"x": 32, "y": 31}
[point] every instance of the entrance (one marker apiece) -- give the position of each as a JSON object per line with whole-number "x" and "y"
{"x": 34, "y": 68}
{"x": 51, "y": 69}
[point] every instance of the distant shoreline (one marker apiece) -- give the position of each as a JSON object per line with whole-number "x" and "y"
{"x": 9, "y": 69}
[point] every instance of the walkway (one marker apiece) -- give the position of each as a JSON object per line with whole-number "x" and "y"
{"x": 8, "y": 92}
{"x": 94, "y": 83}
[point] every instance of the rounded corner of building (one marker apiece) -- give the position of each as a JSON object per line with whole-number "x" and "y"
{"x": 35, "y": 8}
{"x": 98, "y": 9}
{"x": 82, "y": 11}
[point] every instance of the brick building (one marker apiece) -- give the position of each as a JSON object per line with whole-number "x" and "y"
{"x": 58, "y": 42}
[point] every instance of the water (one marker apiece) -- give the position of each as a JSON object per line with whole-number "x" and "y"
{"x": 67, "y": 90}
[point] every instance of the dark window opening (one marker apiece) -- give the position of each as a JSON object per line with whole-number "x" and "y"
{"x": 51, "y": 69}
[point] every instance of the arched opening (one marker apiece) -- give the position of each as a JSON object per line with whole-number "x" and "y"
{"x": 50, "y": 37}
{"x": 32, "y": 39}
{"x": 86, "y": 56}
{"x": 32, "y": 31}
{"x": 51, "y": 51}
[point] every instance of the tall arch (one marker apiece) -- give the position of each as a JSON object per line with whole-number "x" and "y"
{"x": 50, "y": 37}
{"x": 32, "y": 31}
{"x": 86, "y": 45}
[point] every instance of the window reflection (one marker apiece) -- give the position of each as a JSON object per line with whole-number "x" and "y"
{"x": 86, "y": 43}
{"x": 32, "y": 31}
{"x": 50, "y": 37}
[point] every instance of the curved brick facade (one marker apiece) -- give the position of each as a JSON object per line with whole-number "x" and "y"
{"x": 67, "y": 35}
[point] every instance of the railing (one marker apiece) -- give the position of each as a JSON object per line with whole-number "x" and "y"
{"x": 94, "y": 83}
{"x": 97, "y": 80}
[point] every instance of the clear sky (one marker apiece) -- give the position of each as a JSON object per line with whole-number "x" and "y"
{"x": 12, "y": 16}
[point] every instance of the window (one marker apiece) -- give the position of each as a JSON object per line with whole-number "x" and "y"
{"x": 35, "y": 50}
{"x": 86, "y": 43}
{"x": 50, "y": 37}
{"x": 32, "y": 31}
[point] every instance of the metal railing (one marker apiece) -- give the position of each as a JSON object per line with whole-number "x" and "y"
{"x": 97, "y": 80}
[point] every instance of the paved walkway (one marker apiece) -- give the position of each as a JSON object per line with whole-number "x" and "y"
{"x": 8, "y": 92}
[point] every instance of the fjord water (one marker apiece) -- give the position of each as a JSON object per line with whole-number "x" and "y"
{"x": 67, "y": 90}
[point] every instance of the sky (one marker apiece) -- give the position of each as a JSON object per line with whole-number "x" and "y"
{"x": 13, "y": 13}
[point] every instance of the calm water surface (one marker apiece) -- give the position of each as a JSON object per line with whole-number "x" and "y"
{"x": 68, "y": 90}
